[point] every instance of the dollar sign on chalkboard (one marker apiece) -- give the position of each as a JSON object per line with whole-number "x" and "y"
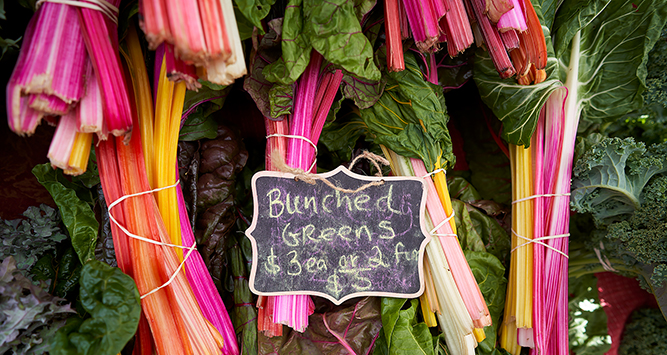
{"x": 333, "y": 284}
{"x": 270, "y": 264}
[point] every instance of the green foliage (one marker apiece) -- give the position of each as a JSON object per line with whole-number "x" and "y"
{"x": 588, "y": 321}
{"x": 333, "y": 29}
{"x": 610, "y": 176}
{"x": 644, "y": 334}
{"x": 112, "y": 301}
{"x": 254, "y": 11}
{"x": 28, "y": 239}
{"x": 606, "y": 41}
{"x": 410, "y": 118}
{"x": 199, "y": 107}
{"x": 29, "y": 316}
{"x": 75, "y": 211}
{"x": 260, "y": 89}
{"x": 623, "y": 185}
{"x": 489, "y": 273}
{"x": 401, "y": 332}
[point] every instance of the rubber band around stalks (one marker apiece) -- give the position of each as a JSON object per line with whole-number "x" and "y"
{"x": 536, "y": 196}
{"x": 102, "y": 6}
{"x": 147, "y": 240}
{"x": 539, "y": 241}
{"x": 444, "y": 221}
{"x": 302, "y": 138}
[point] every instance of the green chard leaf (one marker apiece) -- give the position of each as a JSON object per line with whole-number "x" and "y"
{"x": 340, "y": 136}
{"x": 489, "y": 273}
{"x": 610, "y": 53}
{"x": 268, "y": 51}
{"x": 517, "y": 106}
{"x": 77, "y": 215}
{"x": 410, "y": 117}
{"x": 333, "y": 29}
{"x": 112, "y": 300}
{"x": 255, "y": 10}
{"x": 364, "y": 93}
{"x": 198, "y": 108}
{"x": 599, "y": 53}
{"x": 402, "y": 333}
{"x": 296, "y": 47}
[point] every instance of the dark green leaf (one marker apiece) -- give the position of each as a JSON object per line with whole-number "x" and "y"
{"x": 27, "y": 240}
{"x": 461, "y": 189}
{"x": 468, "y": 235}
{"x": 612, "y": 53}
{"x": 244, "y": 25}
{"x": 333, "y": 29}
{"x": 255, "y": 10}
{"x": 112, "y": 300}
{"x": 91, "y": 177}
{"x": 77, "y": 215}
{"x": 268, "y": 51}
{"x": 341, "y": 136}
{"x": 489, "y": 273}
{"x": 197, "y": 126}
{"x": 335, "y": 32}
{"x": 517, "y": 106}
{"x": 280, "y": 99}
{"x": 489, "y": 166}
{"x": 210, "y": 96}
{"x": 401, "y": 330}
{"x": 365, "y": 93}
{"x": 296, "y": 47}
{"x": 410, "y": 118}
{"x": 7, "y": 44}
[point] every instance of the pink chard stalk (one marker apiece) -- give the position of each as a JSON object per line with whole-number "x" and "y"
{"x": 101, "y": 37}
{"x": 204, "y": 289}
{"x": 48, "y": 77}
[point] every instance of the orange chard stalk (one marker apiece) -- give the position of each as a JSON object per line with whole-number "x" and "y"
{"x": 534, "y": 49}
{"x": 116, "y": 176}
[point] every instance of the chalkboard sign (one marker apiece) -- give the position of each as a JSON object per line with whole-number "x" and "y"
{"x": 318, "y": 240}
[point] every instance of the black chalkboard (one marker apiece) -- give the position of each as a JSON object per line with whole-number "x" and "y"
{"x": 317, "y": 240}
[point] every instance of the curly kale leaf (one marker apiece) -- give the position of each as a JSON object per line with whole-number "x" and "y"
{"x": 29, "y": 316}
{"x": 28, "y": 239}
{"x": 610, "y": 176}
{"x": 644, "y": 334}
